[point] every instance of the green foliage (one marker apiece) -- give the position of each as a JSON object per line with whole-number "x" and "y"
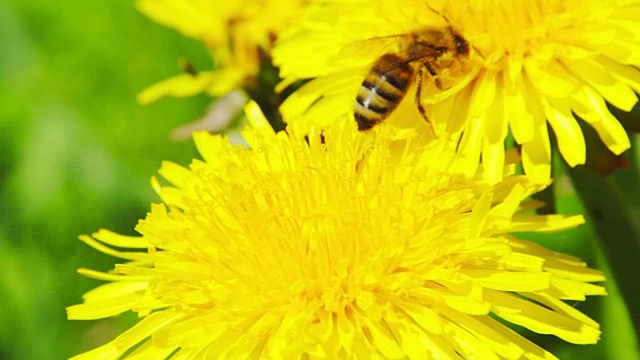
{"x": 77, "y": 154}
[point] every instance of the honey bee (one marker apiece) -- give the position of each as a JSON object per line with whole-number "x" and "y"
{"x": 389, "y": 79}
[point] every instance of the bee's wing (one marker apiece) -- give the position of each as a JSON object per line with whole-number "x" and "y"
{"x": 368, "y": 51}
{"x": 365, "y": 52}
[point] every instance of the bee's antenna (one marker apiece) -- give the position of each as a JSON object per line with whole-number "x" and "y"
{"x": 478, "y": 52}
{"x": 439, "y": 14}
{"x": 450, "y": 24}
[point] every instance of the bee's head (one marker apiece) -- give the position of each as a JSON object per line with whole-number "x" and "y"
{"x": 461, "y": 44}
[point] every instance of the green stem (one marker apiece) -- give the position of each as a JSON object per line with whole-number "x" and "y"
{"x": 606, "y": 200}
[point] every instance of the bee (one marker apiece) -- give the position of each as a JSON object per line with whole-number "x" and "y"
{"x": 389, "y": 79}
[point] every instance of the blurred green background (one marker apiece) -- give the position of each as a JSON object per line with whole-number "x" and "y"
{"x": 77, "y": 153}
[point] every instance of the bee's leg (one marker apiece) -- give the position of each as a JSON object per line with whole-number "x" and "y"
{"x": 418, "y": 100}
{"x": 418, "y": 95}
{"x": 439, "y": 84}
{"x": 434, "y": 74}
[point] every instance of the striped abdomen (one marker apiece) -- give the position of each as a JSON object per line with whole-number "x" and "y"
{"x": 382, "y": 90}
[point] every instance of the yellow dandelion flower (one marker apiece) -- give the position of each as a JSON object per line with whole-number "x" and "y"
{"x": 234, "y": 31}
{"x": 330, "y": 246}
{"x": 530, "y": 63}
